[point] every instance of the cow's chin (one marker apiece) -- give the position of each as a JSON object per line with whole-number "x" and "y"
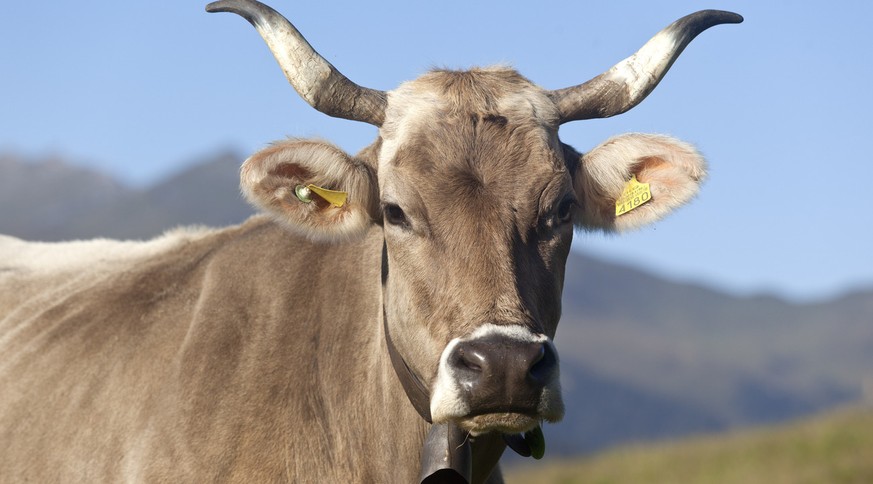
{"x": 503, "y": 422}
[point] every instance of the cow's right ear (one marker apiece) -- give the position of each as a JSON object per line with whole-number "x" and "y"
{"x": 670, "y": 170}
{"x": 286, "y": 178}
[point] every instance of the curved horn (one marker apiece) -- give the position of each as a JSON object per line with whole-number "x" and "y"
{"x": 318, "y": 82}
{"x": 629, "y": 82}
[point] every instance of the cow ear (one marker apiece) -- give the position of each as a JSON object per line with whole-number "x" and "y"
{"x": 672, "y": 169}
{"x": 293, "y": 181}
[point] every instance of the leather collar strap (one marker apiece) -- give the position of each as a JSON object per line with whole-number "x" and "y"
{"x": 417, "y": 393}
{"x": 448, "y": 452}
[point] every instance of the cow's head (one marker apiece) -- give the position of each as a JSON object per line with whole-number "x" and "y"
{"x": 477, "y": 198}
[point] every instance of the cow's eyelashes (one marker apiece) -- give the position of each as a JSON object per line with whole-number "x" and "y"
{"x": 394, "y": 215}
{"x": 565, "y": 210}
{"x": 557, "y": 216}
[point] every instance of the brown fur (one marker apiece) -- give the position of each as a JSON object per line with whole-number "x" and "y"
{"x": 251, "y": 354}
{"x": 203, "y": 364}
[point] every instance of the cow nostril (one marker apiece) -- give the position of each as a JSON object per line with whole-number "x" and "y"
{"x": 470, "y": 360}
{"x": 538, "y": 356}
{"x": 542, "y": 363}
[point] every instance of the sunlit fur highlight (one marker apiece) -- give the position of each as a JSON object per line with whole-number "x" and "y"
{"x": 673, "y": 169}
{"x": 268, "y": 179}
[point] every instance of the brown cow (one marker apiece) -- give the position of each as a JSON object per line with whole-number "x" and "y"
{"x": 316, "y": 343}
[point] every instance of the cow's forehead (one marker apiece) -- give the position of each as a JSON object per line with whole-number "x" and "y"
{"x": 496, "y": 93}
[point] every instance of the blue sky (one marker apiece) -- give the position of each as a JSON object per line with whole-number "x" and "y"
{"x": 780, "y": 106}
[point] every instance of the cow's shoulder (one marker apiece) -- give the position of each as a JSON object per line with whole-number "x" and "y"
{"x": 256, "y": 258}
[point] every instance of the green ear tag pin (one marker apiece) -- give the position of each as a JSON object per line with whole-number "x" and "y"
{"x": 303, "y": 194}
{"x": 536, "y": 441}
{"x": 334, "y": 197}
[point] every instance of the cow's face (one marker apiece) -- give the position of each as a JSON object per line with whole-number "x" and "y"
{"x": 476, "y": 198}
{"x": 477, "y": 205}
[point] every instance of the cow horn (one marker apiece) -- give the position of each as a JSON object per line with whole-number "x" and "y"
{"x": 629, "y": 82}
{"x": 318, "y": 82}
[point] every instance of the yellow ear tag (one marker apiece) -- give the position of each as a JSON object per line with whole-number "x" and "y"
{"x": 633, "y": 195}
{"x": 336, "y": 198}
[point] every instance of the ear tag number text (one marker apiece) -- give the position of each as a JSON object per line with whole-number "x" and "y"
{"x": 633, "y": 196}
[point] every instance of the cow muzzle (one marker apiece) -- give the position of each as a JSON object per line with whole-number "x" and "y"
{"x": 501, "y": 378}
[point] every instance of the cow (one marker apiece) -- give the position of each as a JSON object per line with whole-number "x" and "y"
{"x": 389, "y": 317}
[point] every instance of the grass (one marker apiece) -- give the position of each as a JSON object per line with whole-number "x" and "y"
{"x": 833, "y": 448}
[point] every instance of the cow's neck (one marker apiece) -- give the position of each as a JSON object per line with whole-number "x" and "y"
{"x": 415, "y": 389}
{"x": 447, "y": 452}
{"x": 318, "y": 371}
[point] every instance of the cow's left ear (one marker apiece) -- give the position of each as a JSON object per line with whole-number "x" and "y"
{"x": 672, "y": 169}
{"x": 312, "y": 187}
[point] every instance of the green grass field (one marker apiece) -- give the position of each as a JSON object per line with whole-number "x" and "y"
{"x": 832, "y": 448}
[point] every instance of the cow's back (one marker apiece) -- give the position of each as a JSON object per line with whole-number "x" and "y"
{"x": 233, "y": 354}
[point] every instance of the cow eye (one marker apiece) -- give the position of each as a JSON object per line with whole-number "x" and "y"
{"x": 565, "y": 210}
{"x": 394, "y": 215}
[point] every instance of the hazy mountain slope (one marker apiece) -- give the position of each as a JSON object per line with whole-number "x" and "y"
{"x": 41, "y": 199}
{"x": 603, "y": 411}
{"x": 204, "y": 194}
{"x": 51, "y": 200}
{"x": 744, "y": 360}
